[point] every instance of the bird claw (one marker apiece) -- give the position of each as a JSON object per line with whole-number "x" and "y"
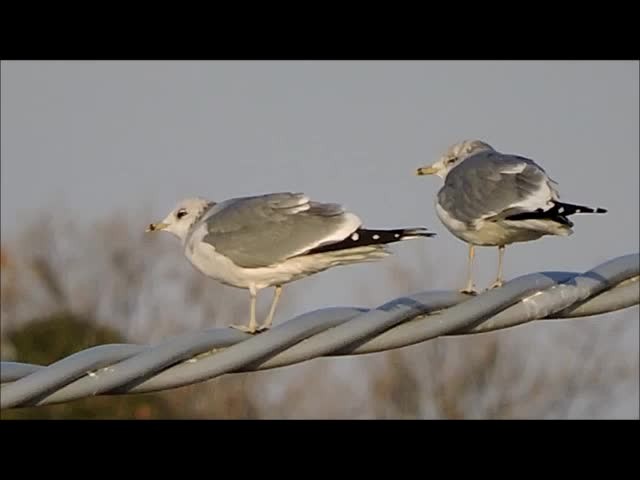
{"x": 248, "y": 329}
{"x": 245, "y": 328}
{"x": 469, "y": 291}
{"x": 496, "y": 284}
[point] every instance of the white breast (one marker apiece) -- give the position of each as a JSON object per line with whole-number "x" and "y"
{"x": 458, "y": 228}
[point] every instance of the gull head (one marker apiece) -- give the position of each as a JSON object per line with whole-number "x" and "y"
{"x": 454, "y": 155}
{"x": 182, "y": 217}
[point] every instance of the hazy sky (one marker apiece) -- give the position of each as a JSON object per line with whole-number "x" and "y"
{"x": 93, "y": 137}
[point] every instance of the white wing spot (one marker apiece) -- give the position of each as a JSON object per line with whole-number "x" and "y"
{"x": 355, "y": 237}
{"x": 397, "y": 235}
{"x": 561, "y": 209}
{"x": 376, "y": 236}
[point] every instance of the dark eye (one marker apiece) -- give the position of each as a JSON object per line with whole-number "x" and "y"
{"x": 451, "y": 160}
{"x": 181, "y": 213}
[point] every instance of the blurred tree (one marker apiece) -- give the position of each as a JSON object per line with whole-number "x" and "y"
{"x": 47, "y": 340}
{"x": 110, "y": 283}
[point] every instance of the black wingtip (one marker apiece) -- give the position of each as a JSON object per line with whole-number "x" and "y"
{"x": 571, "y": 209}
{"x": 580, "y": 209}
{"x": 417, "y": 232}
{"x": 364, "y": 237}
{"x": 559, "y": 213}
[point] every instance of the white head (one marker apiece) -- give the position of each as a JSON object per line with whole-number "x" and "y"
{"x": 455, "y": 155}
{"x": 182, "y": 217}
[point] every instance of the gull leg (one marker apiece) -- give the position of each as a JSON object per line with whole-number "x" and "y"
{"x": 253, "y": 325}
{"x": 469, "y": 289}
{"x": 499, "y": 281}
{"x": 276, "y": 296}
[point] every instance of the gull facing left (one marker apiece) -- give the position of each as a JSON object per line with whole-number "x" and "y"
{"x": 490, "y": 198}
{"x": 273, "y": 239}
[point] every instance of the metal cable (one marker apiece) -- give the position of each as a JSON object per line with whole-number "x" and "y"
{"x": 199, "y": 356}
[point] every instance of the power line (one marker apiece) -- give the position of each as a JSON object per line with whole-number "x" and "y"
{"x": 199, "y": 356}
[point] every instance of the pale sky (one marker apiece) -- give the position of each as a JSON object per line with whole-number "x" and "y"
{"x": 91, "y": 138}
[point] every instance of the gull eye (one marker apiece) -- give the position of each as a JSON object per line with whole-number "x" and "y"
{"x": 451, "y": 160}
{"x": 181, "y": 213}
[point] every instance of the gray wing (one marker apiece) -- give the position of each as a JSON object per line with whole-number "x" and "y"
{"x": 494, "y": 185}
{"x": 262, "y": 230}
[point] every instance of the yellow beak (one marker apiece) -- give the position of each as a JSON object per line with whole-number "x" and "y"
{"x": 156, "y": 226}
{"x": 426, "y": 171}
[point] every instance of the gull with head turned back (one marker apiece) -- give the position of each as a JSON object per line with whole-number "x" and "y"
{"x": 273, "y": 239}
{"x": 495, "y": 199}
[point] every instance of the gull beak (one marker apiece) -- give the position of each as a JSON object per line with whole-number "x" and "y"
{"x": 156, "y": 226}
{"x": 427, "y": 170}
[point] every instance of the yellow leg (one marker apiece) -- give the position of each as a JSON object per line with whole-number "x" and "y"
{"x": 253, "y": 325}
{"x": 276, "y": 296}
{"x": 470, "y": 288}
{"x": 499, "y": 280}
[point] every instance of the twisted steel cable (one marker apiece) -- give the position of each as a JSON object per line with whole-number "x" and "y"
{"x": 199, "y": 356}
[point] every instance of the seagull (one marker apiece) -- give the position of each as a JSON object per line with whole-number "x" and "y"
{"x": 270, "y": 240}
{"x": 494, "y": 199}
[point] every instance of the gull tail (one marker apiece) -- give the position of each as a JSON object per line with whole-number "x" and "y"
{"x": 364, "y": 237}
